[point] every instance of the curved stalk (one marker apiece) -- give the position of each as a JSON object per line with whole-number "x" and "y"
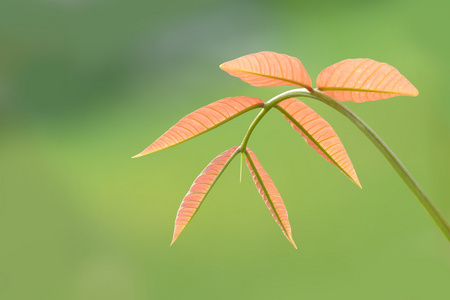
{"x": 423, "y": 198}
{"x": 437, "y": 217}
{"x": 267, "y": 106}
{"x": 390, "y": 156}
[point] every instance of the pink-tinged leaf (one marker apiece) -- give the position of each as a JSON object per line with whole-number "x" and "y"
{"x": 318, "y": 134}
{"x": 363, "y": 79}
{"x": 270, "y": 194}
{"x": 200, "y": 189}
{"x": 203, "y": 120}
{"x": 268, "y": 69}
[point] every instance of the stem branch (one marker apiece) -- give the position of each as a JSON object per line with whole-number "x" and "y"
{"x": 267, "y": 106}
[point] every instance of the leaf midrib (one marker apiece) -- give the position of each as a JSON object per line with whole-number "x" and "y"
{"x": 360, "y": 90}
{"x": 261, "y": 182}
{"x": 257, "y": 105}
{"x": 225, "y": 165}
{"x": 296, "y": 123}
{"x": 264, "y": 75}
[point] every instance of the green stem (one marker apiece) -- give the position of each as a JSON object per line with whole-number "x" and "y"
{"x": 255, "y": 122}
{"x": 267, "y": 106}
{"x": 423, "y": 198}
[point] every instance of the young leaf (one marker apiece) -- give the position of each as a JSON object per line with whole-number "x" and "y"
{"x": 270, "y": 194}
{"x": 200, "y": 188}
{"x": 268, "y": 69}
{"x": 318, "y": 134}
{"x": 363, "y": 79}
{"x": 203, "y": 120}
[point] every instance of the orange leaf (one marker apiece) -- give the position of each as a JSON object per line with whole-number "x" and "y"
{"x": 200, "y": 188}
{"x": 270, "y": 194}
{"x": 363, "y": 79}
{"x": 203, "y": 120}
{"x": 268, "y": 69}
{"x": 318, "y": 134}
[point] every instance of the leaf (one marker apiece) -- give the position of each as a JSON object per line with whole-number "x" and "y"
{"x": 270, "y": 194}
{"x": 268, "y": 69}
{"x": 318, "y": 134}
{"x": 363, "y": 79}
{"x": 203, "y": 120}
{"x": 200, "y": 188}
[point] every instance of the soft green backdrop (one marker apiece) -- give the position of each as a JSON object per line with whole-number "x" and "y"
{"x": 84, "y": 85}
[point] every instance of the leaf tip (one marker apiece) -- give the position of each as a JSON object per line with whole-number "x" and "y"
{"x": 141, "y": 154}
{"x": 293, "y": 243}
{"x": 175, "y": 237}
{"x": 147, "y": 151}
{"x": 356, "y": 180}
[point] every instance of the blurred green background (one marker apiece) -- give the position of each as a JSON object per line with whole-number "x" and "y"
{"x": 84, "y": 85}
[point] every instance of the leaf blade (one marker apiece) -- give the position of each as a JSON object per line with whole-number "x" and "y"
{"x": 363, "y": 79}
{"x": 200, "y": 188}
{"x": 268, "y": 68}
{"x": 318, "y": 134}
{"x": 202, "y": 120}
{"x": 270, "y": 194}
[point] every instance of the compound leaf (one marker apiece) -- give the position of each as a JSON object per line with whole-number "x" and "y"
{"x": 318, "y": 134}
{"x": 200, "y": 188}
{"x": 268, "y": 69}
{"x": 270, "y": 194}
{"x": 363, "y": 79}
{"x": 203, "y": 120}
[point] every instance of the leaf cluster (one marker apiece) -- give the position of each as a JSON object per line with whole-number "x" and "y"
{"x": 356, "y": 80}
